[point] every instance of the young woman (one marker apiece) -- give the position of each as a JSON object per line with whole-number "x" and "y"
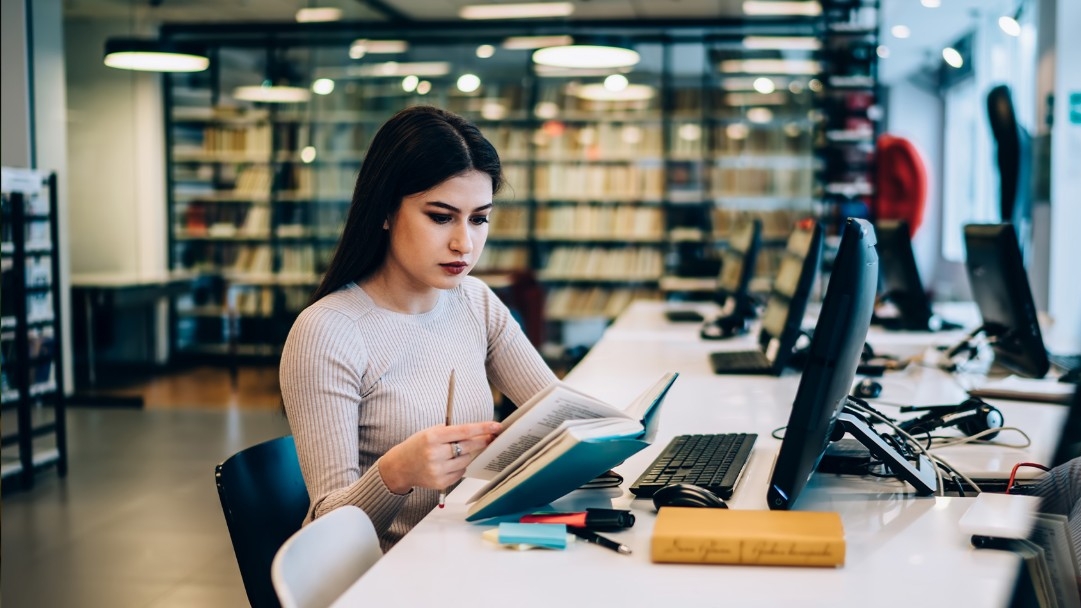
{"x": 365, "y": 369}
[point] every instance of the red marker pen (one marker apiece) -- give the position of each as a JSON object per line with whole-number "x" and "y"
{"x": 593, "y": 519}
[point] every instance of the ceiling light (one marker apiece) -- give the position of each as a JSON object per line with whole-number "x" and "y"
{"x": 900, "y": 31}
{"x": 597, "y": 92}
{"x": 535, "y": 42}
{"x": 761, "y": 7}
{"x": 307, "y": 155}
{"x": 147, "y": 55}
{"x": 403, "y": 68}
{"x": 409, "y": 83}
{"x": 759, "y": 115}
{"x": 770, "y": 66}
{"x": 586, "y": 56}
{"x": 782, "y": 43}
{"x": 493, "y": 110}
{"x": 485, "y": 51}
{"x": 319, "y": 14}
{"x": 323, "y": 86}
{"x": 952, "y": 57}
{"x": 764, "y": 85}
{"x": 526, "y": 10}
{"x": 883, "y": 51}
{"x": 1009, "y": 25}
{"x": 362, "y": 46}
{"x": 268, "y": 93}
{"x": 931, "y": 3}
{"x": 615, "y": 82}
{"x": 467, "y": 83}
{"x": 689, "y": 131}
{"x": 423, "y": 87}
{"x": 548, "y": 71}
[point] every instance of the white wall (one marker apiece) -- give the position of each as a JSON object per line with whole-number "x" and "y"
{"x": 116, "y": 154}
{"x": 14, "y": 92}
{"x": 1064, "y": 298}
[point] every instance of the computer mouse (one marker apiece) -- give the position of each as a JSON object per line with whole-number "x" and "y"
{"x": 687, "y": 495}
{"x": 867, "y": 389}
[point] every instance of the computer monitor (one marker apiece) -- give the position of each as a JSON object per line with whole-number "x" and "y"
{"x": 996, "y": 274}
{"x": 901, "y": 285}
{"x": 818, "y": 414}
{"x": 738, "y": 262}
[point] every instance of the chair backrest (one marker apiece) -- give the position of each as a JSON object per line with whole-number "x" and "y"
{"x": 318, "y": 563}
{"x": 264, "y": 500}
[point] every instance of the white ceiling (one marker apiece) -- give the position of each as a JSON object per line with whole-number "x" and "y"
{"x": 932, "y": 28}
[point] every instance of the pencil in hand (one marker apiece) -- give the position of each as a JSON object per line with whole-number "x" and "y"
{"x": 450, "y": 412}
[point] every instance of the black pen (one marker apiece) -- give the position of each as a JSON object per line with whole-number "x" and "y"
{"x": 592, "y": 537}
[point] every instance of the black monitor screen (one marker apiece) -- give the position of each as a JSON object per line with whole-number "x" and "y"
{"x": 996, "y": 274}
{"x": 791, "y": 290}
{"x": 739, "y": 259}
{"x": 901, "y": 283}
{"x": 831, "y": 364}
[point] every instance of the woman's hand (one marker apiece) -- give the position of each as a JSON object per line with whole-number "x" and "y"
{"x": 428, "y": 459}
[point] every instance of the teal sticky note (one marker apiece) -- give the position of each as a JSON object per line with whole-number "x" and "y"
{"x": 551, "y": 536}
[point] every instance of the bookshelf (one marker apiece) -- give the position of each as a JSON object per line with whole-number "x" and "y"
{"x": 610, "y": 196}
{"x": 31, "y": 373}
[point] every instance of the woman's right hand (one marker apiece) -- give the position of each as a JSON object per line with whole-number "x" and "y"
{"x": 428, "y": 459}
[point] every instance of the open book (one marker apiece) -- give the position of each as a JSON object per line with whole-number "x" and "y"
{"x": 557, "y": 441}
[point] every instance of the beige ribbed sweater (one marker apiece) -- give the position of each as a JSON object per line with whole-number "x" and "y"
{"x": 358, "y": 379}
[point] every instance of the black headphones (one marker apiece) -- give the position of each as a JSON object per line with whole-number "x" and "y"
{"x": 971, "y": 416}
{"x": 725, "y": 327}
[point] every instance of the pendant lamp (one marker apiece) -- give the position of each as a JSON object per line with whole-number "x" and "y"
{"x": 151, "y": 55}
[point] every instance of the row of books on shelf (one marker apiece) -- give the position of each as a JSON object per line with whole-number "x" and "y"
{"x": 605, "y": 140}
{"x": 202, "y": 219}
{"x": 617, "y": 182}
{"x": 776, "y": 224}
{"x": 750, "y": 181}
{"x": 600, "y": 263}
{"x": 509, "y": 221}
{"x": 253, "y": 302}
{"x": 255, "y": 138}
{"x": 568, "y": 302}
{"x": 588, "y": 221}
{"x": 498, "y": 258}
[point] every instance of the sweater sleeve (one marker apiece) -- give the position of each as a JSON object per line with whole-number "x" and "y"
{"x": 321, "y": 373}
{"x": 514, "y": 367}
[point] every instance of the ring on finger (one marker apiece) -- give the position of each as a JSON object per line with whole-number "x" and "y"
{"x": 457, "y": 447}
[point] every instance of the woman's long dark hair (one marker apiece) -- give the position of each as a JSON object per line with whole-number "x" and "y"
{"x": 416, "y": 150}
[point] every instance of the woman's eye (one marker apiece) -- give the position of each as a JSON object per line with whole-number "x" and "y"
{"x": 479, "y": 219}
{"x": 439, "y": 218}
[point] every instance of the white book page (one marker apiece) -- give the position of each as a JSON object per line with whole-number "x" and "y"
{"x": 532, "y": 422}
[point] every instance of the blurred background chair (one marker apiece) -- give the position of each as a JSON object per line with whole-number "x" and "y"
{"x": 320, "y": 561}
{"x": 264, "y": 500}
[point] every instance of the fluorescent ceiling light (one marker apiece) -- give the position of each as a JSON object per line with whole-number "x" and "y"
{"x": 323, "y": 86}
{"x": 770, "y": 66}
{"x": 900, "y": 31}
{"x": 146, "y": 55}
{"x": 318, "y": 14}
{"x": 931, "y": 3}
{"x": 362, "y": 46}
{"x": 548, "y": 71}
{"x": 467, "y": 83}
{"x": 762, "y": 7}
{"x": 782, "y": 43}
{"x": 764, "y": 85}
{"x": 615, "y": 82}
{"x": 535, "y": 42}
{"x": 525, "y": 10}
{"x": 586, "y": 56}
{"x": 272, "y": 94}
{"x": 404, "y": 68}
{"x": 485, "y": 51}
{"x": 597, "y": 92}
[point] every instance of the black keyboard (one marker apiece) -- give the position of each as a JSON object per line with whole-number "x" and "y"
{"x": 1066, "y": 362}
{"x": 740, "y": 361}
{"x": 714, "y": 462}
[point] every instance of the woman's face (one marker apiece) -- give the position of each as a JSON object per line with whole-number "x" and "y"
{"x": 436, "y": 237}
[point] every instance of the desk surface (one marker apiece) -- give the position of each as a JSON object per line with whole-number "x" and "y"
{"x": 902, "y": 549}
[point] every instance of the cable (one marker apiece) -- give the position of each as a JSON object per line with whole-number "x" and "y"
{"x": 945, "y": 442}
{"x": 777, "y": 430}
{"x": 1013, "y": 473}
{"x": 859, "y": 405}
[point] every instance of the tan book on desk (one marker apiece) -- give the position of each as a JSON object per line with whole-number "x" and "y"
{"x": 767, "y": 538}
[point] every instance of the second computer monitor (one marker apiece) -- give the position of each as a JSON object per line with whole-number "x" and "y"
{"x": 996, "y": 274}
{"x": 738, "y": 264}
{"x": 791, "y": 291}
{"x": 901, "y": 283}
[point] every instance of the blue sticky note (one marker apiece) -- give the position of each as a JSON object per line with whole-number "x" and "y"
{"x": 551, "y": 536}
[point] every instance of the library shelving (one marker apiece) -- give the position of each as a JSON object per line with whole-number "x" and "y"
{"x": 613, "y": 192}
{"x": 31, "y": 373}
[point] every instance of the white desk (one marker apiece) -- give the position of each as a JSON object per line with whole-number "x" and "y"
{"x": 902, "y": 550}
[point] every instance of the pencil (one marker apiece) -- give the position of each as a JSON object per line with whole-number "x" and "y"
{"x": 450, "y": 413}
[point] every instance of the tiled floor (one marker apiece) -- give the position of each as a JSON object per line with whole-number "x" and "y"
{"x": 136, "y": 522}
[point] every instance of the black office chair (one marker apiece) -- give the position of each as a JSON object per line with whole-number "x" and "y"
{"x": 264, "y": 500}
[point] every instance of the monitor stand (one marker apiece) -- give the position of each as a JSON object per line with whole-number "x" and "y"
{"x": 921, "y": 474}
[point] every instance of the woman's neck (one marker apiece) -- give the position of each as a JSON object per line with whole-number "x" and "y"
{"x": 394, "y": 294}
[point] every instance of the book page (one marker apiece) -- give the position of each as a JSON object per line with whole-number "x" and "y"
{"x": 581, "y": 429}
{"x": 531, "y": 422}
